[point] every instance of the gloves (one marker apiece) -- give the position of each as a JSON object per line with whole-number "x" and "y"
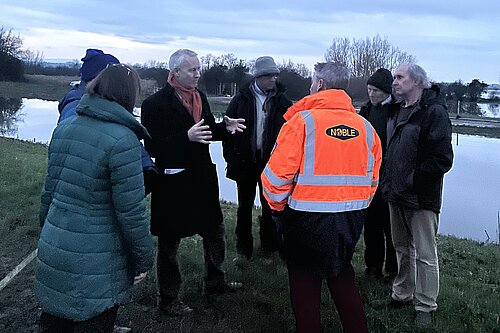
{"x": 150, "y": 175}
{"x": 278, "y": 218}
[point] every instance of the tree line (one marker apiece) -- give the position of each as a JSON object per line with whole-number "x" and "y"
{"x": 224, "y": 74}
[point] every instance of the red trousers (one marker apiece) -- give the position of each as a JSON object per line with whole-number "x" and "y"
{"x": 305, "y": 292}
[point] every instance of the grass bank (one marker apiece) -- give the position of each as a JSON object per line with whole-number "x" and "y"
{"x": 470, "y": 275}
{"x": 53, "y": 88}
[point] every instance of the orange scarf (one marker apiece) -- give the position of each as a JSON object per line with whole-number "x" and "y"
{"x": 190, "y": 97}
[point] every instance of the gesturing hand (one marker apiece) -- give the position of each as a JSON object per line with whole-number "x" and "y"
{"x": 234, "y": 125}
{"x": 200, "y": 133}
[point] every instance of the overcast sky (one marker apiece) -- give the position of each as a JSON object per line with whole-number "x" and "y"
{"x": 451, "y": 39}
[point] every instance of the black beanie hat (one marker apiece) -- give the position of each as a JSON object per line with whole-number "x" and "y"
{"x": 381, "y": 79}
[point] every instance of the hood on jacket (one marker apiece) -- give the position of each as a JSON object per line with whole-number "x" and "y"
{"x": 110, "y": 111}
{"x": 325, "y": 99}
{"x": 432, "y": 96}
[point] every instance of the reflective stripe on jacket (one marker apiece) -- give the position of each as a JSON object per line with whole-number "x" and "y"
{"x": 326, "y": 159}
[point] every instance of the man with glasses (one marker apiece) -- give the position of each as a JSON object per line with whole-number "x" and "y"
{"x": 262, "y": 103}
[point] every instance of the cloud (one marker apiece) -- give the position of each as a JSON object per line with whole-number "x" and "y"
{"x": 449, "y": 37}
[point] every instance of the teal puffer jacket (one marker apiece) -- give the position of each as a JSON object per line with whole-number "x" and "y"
{"x": 95, "y": 236}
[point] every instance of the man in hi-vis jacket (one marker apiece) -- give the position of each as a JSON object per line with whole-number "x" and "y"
{"x": 321, "y": 177}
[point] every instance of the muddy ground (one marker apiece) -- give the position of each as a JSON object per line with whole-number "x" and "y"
{"x": 18, "y": 309}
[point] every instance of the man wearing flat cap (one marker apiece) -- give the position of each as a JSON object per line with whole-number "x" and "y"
{"x": 262, "y": 102}
{"x": 377, "y": 231}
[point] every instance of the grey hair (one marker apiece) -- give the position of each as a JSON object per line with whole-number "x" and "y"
{"x": 178, "y": 57}
{"x": 334, "y": 74}
{"x": 418, "y": 74}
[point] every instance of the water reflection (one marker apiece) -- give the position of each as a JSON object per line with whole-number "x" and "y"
{"x": 34, "y": 120}
{"x": 10, "y": 115}
{"x": 471, "y": 191}
{"x": 487, "y": 110}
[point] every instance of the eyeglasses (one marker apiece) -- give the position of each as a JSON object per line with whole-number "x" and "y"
{"x": 120, "y": 66}
{"x": 270, "y": 76}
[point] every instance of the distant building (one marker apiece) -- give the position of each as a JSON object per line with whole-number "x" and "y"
{"x": 492, "y": 91}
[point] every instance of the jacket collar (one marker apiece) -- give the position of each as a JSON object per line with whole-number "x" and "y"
{"x": 325, "y": 99}
{"x": 109, "y": 111}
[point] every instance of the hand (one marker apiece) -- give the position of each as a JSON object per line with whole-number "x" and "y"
{"x": 278, "y": 219}
{"x": 200, "y": 133}
{"x": 138, "y": 278}
{"x": 234, "y": 125}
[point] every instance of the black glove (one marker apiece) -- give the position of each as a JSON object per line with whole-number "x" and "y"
{"x": 278, "y": 219}
{"x": 150, "y": 178}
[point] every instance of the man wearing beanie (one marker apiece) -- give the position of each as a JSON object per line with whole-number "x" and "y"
{"x": 93, "y": 63}
{"x": 262, "y": 102}
{"x": 377, "y": 232}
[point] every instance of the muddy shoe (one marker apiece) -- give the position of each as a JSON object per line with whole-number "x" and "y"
{"x": 121, "y": 329}
{"x": 176, "y": 309}
{"x": 226, "y": 287}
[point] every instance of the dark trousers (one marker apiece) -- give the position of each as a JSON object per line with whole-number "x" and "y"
{"x": 102, "y": 323}
{"x": 305, "y": 292}
{"x": 246, "y": 197}
{"x": 378, "y": 240}
{"x": 168, "y": 274}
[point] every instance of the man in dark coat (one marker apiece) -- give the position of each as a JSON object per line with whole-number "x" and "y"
{"x": 185, "y": 199}
{"x": 262, "y": 103}
{"x": 418, "y": 154}
{"x": 377, "y": 232}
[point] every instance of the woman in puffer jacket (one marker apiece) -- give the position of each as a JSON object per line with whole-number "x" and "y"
{"x": 95, "y": 235}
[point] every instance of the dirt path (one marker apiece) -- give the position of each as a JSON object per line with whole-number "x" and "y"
{"x": 18, "y": 309}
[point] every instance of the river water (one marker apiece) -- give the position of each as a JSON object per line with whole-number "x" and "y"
{"x": 471, "y": 198}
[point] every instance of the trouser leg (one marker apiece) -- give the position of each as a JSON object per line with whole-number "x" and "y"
{"x": 425, "y": 225}
{"x": 305, "y": 294}
{"x": 403, "y": 286}
{"x": 349, "y": 304}
{"x": 374, "y": 237}
{"x": 167, "y": 270}
{"x": 52, "y": 324}
{"x": 214, "y": 248}
{"x": 267, "y": 229}
{"x": 246, "y": 197}
{"x": 102, "y": 323}
{"x": 391, "y": 262}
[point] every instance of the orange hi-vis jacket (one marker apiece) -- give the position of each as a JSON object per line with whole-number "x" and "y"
{"x": 326, "y": 158}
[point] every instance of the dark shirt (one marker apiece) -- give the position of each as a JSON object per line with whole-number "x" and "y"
{"x": 401, "y": 116}
{"x": 378, "y": 118}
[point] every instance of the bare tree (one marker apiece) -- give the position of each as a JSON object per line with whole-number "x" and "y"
{"x": 300, "y": 69}
{"x": 207, "y": 61}
{"x": 364, "y": 56}
{"x": 32, "y": 58}
{"x": 10, "y": 43}
{"x": 229, "y": 60}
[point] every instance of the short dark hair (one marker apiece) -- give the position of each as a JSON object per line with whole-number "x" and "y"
{"x": 119, "y": 83}
{"x": 334, "y": 74}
